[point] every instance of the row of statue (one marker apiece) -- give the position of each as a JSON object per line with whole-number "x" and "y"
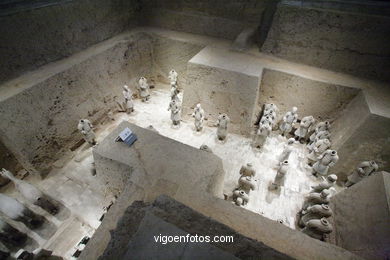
{"x": 13, "y": 209}
{"x": 313, "y": 218}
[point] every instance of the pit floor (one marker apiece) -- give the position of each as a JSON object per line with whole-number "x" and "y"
{"x": 71, "y": 181}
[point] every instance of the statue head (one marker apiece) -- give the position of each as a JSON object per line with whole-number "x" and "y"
{"x": 198, "y": 106}
{"x": 125, "y": 87}
{"x": 333, "y": 152}
{"x": 372, "y": 163}
{"x": 294, "y": 109}
{"x": 81, "y": 120}
{"x": 249, "y": 164}
{"x": 285, "y": 162}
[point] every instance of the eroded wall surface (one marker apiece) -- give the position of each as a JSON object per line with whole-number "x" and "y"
{"x": 39, "y": 124}
{"x": 171, "y": 54}
{"x": 221, "y": 18}
{"x": 360, "y": 135}
{"x": 361, "y": 217}
{"x": 32, "y": 38}
{"x": 346, "y": 42}
{"x": 223, "y": 82}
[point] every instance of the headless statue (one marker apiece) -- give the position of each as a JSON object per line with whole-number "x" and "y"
{"x": 128, "y": 96}
{"x": 304, "y": 128}
{"x": 143, "y": 88}
{"x": 199, "y": 117}
{"x": 317, "y": 228}
{"x": 363, "y": 170}
{"x": 175, "y": 112}
{"x": 288, "y": 121}
{"x": 326, "y": 160}
{"x": 223, "y": 121}
{"x": 317, "y": 211}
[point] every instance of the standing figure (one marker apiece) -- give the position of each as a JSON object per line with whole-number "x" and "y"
{"x": 30, "y": 193}
{"x": 128, "y": 95}
{"x": 223, "y": 121}
{"x": 175, "y": 112}
{"x": 317, "y": 211}
{"x": 304, "y": 128}
{"x": 322, "y": 126}
{"x": 85, "y": 127}
{"x": 326, "y": 160}
{"x": 318, "y": 148}
{"x": 173, "y": 77}
{"x": 363, "y": 170}
{"x": 279, "y": 178}
{"x": 143, "y": 87}
{"x": 199, "y": 117}
{"x": 288, "y": 120}
{"x": 325, "y": 184}
{"x": 317, "y": 228}
{"x": 288, "y": 147}
{"x": 262, "y": 133}
{"x": 247, "y": 170}
{"x": 18, "y": 212}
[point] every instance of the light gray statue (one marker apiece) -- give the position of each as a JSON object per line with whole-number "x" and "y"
{"x": 143, "y": 88}
{"x": 240, "y": 198}
{"x": 270, "y": 106}
{"x": 86, "y": 128}
{"x": 318, "y": 148}
{"x": 321, "y": 126}
{"x": 223, "y": 121}
{"x": 288, "y": 121}
{"x": 326, "y": 160}
{"x": 304, "y": 128}
{"x": 247, "y": 170}
{"x": 363, "y": 170}
{"x": 18, "y": 212}
{"x": 280, "y": 176}
{"x": 315, "y": 212}
{"x": 288, "y": 148}
{"x": 10, "y": 236}
{"x": 199, "y": 117}
{"x": 128, "y": 95}
{"x": 262, "y": 134}
{"x": 175, "y": 112}
{"x": 325, "y": 183}
{"x": 246, "y": 183}
{"x": 319, "y": 136}
{"x": 317, "y": 228}
{"x": 175, "y": 93}
{"x": 173, "y": 77}
{"x": 30, "y": 193}
{"x": 316, "y": 198}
